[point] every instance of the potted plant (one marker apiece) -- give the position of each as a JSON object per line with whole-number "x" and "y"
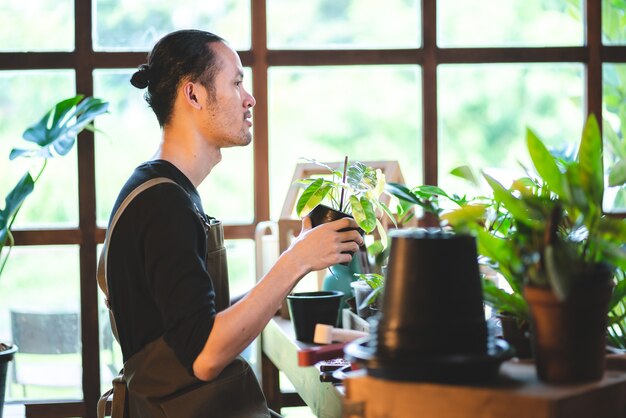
{"x": 355, "y": 191}
{"x": 368, "y": 290}
{"x": 53, "y": 135}
{"x": 564, "y": 250}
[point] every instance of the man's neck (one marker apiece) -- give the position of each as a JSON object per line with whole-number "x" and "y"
{"x": 191, "y": 154}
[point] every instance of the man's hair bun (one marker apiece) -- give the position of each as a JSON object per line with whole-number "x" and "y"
{"x": 141, "y": 78}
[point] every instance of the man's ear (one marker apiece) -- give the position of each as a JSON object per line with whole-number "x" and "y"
{"x": 192, "y": 94}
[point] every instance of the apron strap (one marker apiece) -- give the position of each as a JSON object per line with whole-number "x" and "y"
{"x": 119, "y": 407}
{"x": 102, "y": 263}
{"x": 119, "y": 404}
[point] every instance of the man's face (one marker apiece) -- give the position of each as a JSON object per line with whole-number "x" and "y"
{"x": 228, "y": 122}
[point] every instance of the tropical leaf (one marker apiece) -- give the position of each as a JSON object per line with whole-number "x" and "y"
{"x": 504, "y": 302}
{"x": 464, "y": 215}
{"x": 546, "y": 166}
{"x": 617, "y": 173}
{"x": 386, "y": 210}
{"x": 364, "y": 213}
{"x": 590, "y": 161}
{"x": 466, "y": 173}
{"x": 14, "y": 200}
{"x": 402, "y": 192}
{"x": 516, "y": 207}
{"x": 13, "y": 203}
{"x": 312, "y": 196}
{"x": 58, "y": 129}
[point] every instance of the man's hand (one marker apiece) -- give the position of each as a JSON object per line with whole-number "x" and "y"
{"x": 324, "y": 246}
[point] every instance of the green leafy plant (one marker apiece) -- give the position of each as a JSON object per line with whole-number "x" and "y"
{"x": 554, "y": 233}
{"x": 53, "y": 135}
{"x": 374, "y": 281}
{"x": 356, "y": 191}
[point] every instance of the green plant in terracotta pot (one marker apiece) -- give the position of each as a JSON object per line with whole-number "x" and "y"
{"x": 53, "y": 136}
{"x": 564, "y": 251}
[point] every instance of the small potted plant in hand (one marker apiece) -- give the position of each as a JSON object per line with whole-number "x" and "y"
{"x": 355, "y": 191}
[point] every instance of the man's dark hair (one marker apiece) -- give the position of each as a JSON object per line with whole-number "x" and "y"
{"x": 184, "y": 55}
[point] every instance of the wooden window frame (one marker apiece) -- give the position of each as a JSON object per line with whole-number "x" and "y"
{"x": 84, "y": 60}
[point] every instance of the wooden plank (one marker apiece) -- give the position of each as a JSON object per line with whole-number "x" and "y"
{"x": 516, "y": 394}
{"x": 511, "y": 55}
{"x": 430, "y": 141}
{"x": 285, "y": 57}
{"x": 260, "y": 112}
{"x": 593, "y": 37}
{"x": 54, "y": 409}
{"x": 280, "y": 346}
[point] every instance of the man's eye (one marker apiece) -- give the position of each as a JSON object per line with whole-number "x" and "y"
{"x": 238, "y": 83}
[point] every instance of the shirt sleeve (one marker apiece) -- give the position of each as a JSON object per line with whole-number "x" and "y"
{"x": 174, "y": 248}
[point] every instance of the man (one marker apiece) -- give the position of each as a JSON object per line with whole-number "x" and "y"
{"x": 167, "y": 300}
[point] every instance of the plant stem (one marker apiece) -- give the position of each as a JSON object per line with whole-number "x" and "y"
{"x": 343, "y": 181}
{"x": 3, "y": 262}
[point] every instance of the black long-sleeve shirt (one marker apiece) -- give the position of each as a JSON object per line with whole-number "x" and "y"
{"x": 158, "y": 282}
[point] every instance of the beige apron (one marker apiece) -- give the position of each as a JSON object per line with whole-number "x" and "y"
{"x": 153, "y": 383}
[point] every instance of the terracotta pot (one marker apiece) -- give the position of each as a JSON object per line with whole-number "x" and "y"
{"x": 516, "y": 334}
{"x": 569, "y": 337}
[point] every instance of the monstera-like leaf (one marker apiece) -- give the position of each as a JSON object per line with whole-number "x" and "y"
{"x": 54, "y": 135}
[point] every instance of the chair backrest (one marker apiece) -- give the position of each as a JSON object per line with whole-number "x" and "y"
{"x": 46, "y": 332}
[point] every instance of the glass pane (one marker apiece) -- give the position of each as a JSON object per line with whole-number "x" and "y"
{"x": 614, "y": 22}
{"x": 309, "y": 24}
{"x": 241, "y": 265}
{"x": 326, "y": 113}
{"x": 37, "y": 25}
{"x": 614, "y": 114}
{"x": 490, "y": 23}
{"x": 131, "y": 135}
{"x": 484, "y": 111}
{"x": 128, "y": 136}
{"x": 41, "y": 314}
{"x": 137, "y": 25}
{"x": 26, "y": 97}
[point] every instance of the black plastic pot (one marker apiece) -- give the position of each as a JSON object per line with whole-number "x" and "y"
{"x": 432, "y": 327}
{"x": 322, "y": 214}
{"x": 310, "y": 308}
{"x": 433, "y": 297}
{"x": 517, "y": 335}
{"x": 5, "y": 357}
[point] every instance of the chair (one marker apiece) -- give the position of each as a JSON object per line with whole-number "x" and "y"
{"x": 49, "y": 349}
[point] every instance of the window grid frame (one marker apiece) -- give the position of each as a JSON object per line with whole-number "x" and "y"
{"x": 84, "y": 60}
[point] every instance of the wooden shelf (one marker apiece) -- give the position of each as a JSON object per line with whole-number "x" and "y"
{"x": 516, "y": 394}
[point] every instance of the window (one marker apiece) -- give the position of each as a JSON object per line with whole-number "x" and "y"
{"x": 432, "y": 84}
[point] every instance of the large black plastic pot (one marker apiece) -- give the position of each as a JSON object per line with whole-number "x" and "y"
{"x": 5, "y": 357}
{"x": 433, "y": 297}
{"x": 432, "y": 327}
